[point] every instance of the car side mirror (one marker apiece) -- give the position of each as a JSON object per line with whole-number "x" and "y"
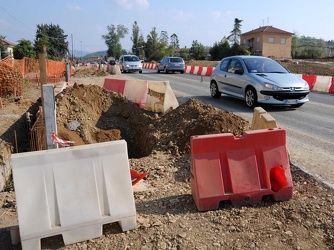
{"x": 239, "y": 71}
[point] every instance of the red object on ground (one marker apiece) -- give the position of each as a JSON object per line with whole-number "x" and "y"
{"x": 237, "y": 168}
{"x": 115, "y": 85}
{"x": 136, "y": 176}
{"x": 277, "y": 178}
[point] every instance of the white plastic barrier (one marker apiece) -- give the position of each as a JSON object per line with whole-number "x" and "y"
{"x": 160, "y": 97}
{"x": 73, "y": 192}
{"x": 136, "y": 91}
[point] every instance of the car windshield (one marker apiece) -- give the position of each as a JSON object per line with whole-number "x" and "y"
{"x": 264, "y": 65}
{"x": 131, "y": 59}
{"x": 176, "y": 59}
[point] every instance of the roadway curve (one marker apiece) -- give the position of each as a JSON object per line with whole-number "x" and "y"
{"x": 310, "y": 128}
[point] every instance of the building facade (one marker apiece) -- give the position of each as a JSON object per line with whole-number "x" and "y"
{"x": 268, "y": 41}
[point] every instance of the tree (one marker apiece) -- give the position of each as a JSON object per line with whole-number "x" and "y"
{"x": 197, "y": 51}
{"x": 24, "y": 48}
{"x": 112, "y": 39}
{"x": 234, "y": 36}
{"x": 3, "y": 50}
{"x": 174, "y": 40}
{"x": 220, "y": 50}
{"x": 153, "y": 46}
{"x": 53, "y": 37}
{"x": 135, "y": 39}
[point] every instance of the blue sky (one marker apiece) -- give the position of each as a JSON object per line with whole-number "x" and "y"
{"x": 205, "y": 21}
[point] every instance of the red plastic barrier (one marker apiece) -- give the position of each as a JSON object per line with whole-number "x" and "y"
{"x": 331, "y": 88}
{"x": 310, "y": 79}
{"x": 240, "y": 169}
{"x": 115, "y": 85}
{"x": 200, "y": 70}
{"x": 209, "y": 71}
{"x": 136, "y": 176}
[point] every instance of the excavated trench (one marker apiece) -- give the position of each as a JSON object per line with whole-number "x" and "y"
{"x": 105, "y": 116}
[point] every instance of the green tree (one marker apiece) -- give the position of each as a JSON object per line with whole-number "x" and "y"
{"x": 136, "y": 47}
{"x": 234, "y": 36}
{"x": 220, "y": 50}
{"x": 24, "y": 48}
{"x": 197, "y": 51}
{"x": 3, "y": 50}
{"x": 53, "y": 37}
{"x": 153, "y": 46}
{"x": 112, "y": 39}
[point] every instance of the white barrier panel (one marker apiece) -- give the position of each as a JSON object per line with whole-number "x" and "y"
{"x": 160, "y": 97}
{"x": 136, "y": 91}
{"x": 323, "y": 83}
{"x": 73, "y": 192}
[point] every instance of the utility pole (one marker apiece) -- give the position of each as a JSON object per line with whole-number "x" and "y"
{"x": 81, "y": 52}
{"x": 72, "y": 46}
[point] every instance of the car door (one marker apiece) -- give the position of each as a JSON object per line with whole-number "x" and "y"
{"x": 235, "y": 80}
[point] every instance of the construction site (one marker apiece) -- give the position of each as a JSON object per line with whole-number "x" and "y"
{"x": 167, "y": 216}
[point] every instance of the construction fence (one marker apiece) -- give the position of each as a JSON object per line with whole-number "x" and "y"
{"x": 30, "y": 70}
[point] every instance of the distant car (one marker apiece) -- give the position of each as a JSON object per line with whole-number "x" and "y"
{"x": 112, "y": 62}
{"x": 257, "y": 79}
{"x": 171, "y": 64}
{"x": 130, "y": 63}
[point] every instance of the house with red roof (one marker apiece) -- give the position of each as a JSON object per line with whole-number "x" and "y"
{"x": 268, "y": 41}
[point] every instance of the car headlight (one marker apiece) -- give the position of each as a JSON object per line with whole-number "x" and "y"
{"x": 272, "y": 86}
{"x": 306, "y": 86}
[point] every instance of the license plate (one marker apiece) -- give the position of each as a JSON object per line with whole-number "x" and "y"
{"x": 177, "y": 64}
{"x": 290, "y": 101}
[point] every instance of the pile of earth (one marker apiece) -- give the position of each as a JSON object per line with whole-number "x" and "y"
{"x": 89, "y": 71}
{"x": 101, "y": 116}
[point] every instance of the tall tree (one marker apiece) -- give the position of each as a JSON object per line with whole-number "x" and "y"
{"x": 234, "y": 36}
{"x": 24, "y": 48}
{"x": 220, "y": 50}
{"x": 135, "y": 38}
{"x": 197, "y": 51}
{"x": 54, "y": 38}
{"x": 174, "y": 40}
{"x": 112, "y": 39}
{"x": 152, "y": 50}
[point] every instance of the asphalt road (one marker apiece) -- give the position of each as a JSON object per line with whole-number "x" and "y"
{"x": 310, "y": 128}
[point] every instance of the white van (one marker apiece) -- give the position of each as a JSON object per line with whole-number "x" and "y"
{"x": 130, "y": 63}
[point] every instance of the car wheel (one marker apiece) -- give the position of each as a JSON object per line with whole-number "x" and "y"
{"x": 166, "y": 71}
{"x": 140, "y": 71}
{"x": 182, "y": 71}
{"x": 297, "y": 105}
{"x": 214, "y": 90}
{"x": 251, "y": 97}
{"x": 158, "y": 70}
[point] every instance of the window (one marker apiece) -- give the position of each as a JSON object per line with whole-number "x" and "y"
{"x": 283, "y": 40}
{"x": 271, "y": 40}
{"x": 223, "y": 65}
{"x": 244, "y": 41}
{"x": 258, "y": 39}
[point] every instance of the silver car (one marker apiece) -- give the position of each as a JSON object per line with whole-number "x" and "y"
{"x": 257, "y": 79}
{"x": 171, "y": 64}
{"x": 130, "y": 63}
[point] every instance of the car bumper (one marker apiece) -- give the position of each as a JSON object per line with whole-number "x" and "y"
{"x": 283, "y": 97}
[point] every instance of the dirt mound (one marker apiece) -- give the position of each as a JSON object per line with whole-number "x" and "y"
{"x": 89, "y": 71}
{"x": 309, "y": 67}
{"x": 106, "y": 116}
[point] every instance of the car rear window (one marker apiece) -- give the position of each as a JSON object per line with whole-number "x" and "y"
{"x": 131, "y": 59}
{"x": 175, "y": 59}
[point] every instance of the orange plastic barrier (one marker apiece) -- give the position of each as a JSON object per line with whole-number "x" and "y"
{"x": 115, "y": 85}
{"x": 241, "y": 169}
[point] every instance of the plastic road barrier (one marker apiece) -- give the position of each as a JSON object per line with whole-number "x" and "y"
{"x": 73, "y": 191}
{"x": 241, "y": 169}
{"x": 261, "y": 119}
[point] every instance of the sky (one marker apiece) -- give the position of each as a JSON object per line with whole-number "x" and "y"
{"x": 207, "y": 21}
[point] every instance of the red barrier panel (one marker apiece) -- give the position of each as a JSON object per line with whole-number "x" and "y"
{"x": 241, "y": 170}
{"x": 115, "y": 85}
{"x": 310, "y": 79}
{"x": 209, "y": 71}
{"x": 331, "y": 88}
{"x": 200, "y": 70}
